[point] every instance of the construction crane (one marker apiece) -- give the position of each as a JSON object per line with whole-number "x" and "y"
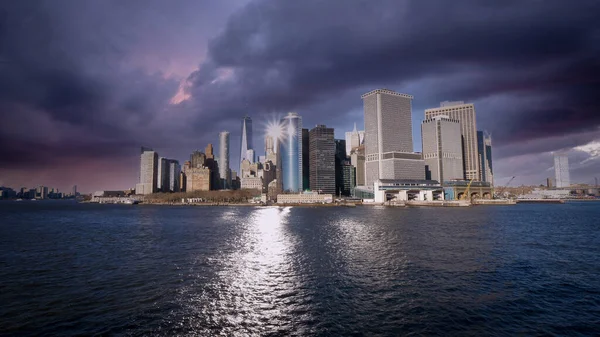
{"x": 466, "y": 194}
{"x": 502, "y": 188}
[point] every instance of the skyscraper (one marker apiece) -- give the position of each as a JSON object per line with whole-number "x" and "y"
{"x": 388, "y": 137}
{"x": 465, "y": 114}
{"x": 246, "y": 141}
{"x": 442, "y": 149}
{"x": 322, "y": 159}
{"x": 357, "y": 159}
{"x": 340, "y": 161}
{"x": 484, "y": 152}
{"x": 163, "y": 174}
{"x": 148, "y": 172}
{"x": 305, "y": 160}
{"x": 224, "y": 170}
{"x": 212, "y": 164}
{"x": 354, "y": 139}
{"x": 74, "y": 190}
{"x": 561, "y": 170}
{"x": 291, "y": 152}
{"x": 174, "y": 171}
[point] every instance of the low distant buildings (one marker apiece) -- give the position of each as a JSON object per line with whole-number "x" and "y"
{"x": 305, "y": 198}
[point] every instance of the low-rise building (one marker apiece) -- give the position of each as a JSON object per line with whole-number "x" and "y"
{"x": 252, "y": 183}
{"x": 305, "y": 198}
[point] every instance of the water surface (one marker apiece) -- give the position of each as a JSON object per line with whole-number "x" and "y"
{"x": 84, "y": 269}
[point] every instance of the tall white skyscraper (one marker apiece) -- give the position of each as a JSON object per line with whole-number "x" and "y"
{"x": 148, "y": 172}
{"x": 465, "y": 114}
{"x": 561, "y": 169}
{"x": 246, "y": 141}
{"x": 354, "y": 139}
{"x": 224, "y": 170}
{"x": 388, "y": 138}
{"x": 442, "y": 148}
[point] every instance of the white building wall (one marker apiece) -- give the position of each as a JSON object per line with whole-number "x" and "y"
{"x": 561, "y": 170}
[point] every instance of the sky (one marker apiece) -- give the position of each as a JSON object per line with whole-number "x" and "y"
{"x": 84, "y": 84}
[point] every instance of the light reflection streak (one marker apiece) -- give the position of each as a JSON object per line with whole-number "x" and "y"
{"x": 258, "y": 285}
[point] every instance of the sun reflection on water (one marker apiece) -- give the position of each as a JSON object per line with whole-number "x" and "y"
{"x": 257, "y": 286}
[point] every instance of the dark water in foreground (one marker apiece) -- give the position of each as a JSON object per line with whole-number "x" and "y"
{"x": 76, "y": 269}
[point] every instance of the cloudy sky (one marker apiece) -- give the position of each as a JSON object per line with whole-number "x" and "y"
{"x": 83, "y": 84}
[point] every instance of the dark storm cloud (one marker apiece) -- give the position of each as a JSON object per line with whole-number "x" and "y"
{"x": 93, "y": 77}
{"x": 289, "y": 55}
{"x": 88, "y": 73}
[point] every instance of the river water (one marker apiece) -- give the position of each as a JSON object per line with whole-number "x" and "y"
{"x": 85, "y": 269}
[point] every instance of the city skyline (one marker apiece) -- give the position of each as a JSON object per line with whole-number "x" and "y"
{"x": 86, "y": 104}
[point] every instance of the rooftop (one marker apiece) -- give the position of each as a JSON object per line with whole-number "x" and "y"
{"x": 386, "y": 91}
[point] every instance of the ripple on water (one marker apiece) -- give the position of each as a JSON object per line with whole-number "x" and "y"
{"x": 75, "y": 269}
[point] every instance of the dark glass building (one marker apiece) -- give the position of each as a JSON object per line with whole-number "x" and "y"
{"x": 322, "y": 150}
{"x": 305, "y": 160}
{"x": 340, "y": 161}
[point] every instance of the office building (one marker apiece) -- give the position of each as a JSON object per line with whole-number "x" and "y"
{"x": 305, "y": 198}
{"x": 549, "y": 182}
{"x": 148, "y": 172}
{"x": 305, "y": 160}
{"x": 357, "y": 159}
{"x": 162, "y": 180}
{"x": 484, "y": 152}
{"x": 348, "y": 179}
{"x": 212, "y": 164}
{"x": 197, "y": 159}
{"x": 561, "y": 170}
{"x": 174, "y": 174}
{"x": 197, "y": 178}
{"x": 291, "y": 153}
{"x": 322, "y": 159}
{"x": 465, "y": 114}
{"x": 442, "y": 149}
{"x": 354, "y": 139}
{"x": 224, "y": 170}
{"x": 74, "y": 192}
{"x": 388, "y": 137}
{"x": 246, "y": 141}
{"x": 251, "y": 183}
{"x": 269, "y": 174}
{"x": 340, "y": 160}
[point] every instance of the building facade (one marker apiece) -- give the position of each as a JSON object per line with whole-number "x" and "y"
{"x": 255, "y": 183}
{"x": 174, "y": 173}
{"x": 305, "y": 198}
{"x": 305, "y": 160}
{"x": 349, "y": 179}
{"x": 442, "y": 149}
{"x": 388, "y": 137}
{"x": 484, "y": 151}
{"x": 465, "y": 114}
{"x": 224, "y": 170}
{"x": 340, "y": 161}
{"x": 357, "y": 159}
{"x": 148, "y": 172}
{"x": 197, "y": 179}
{"x": 291, "y": 153}
{"x": 354, "y": 139}
{"x": 322, "y": 159}
{"x": 246, "y": 142}
{"x": 561, "y": 170}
